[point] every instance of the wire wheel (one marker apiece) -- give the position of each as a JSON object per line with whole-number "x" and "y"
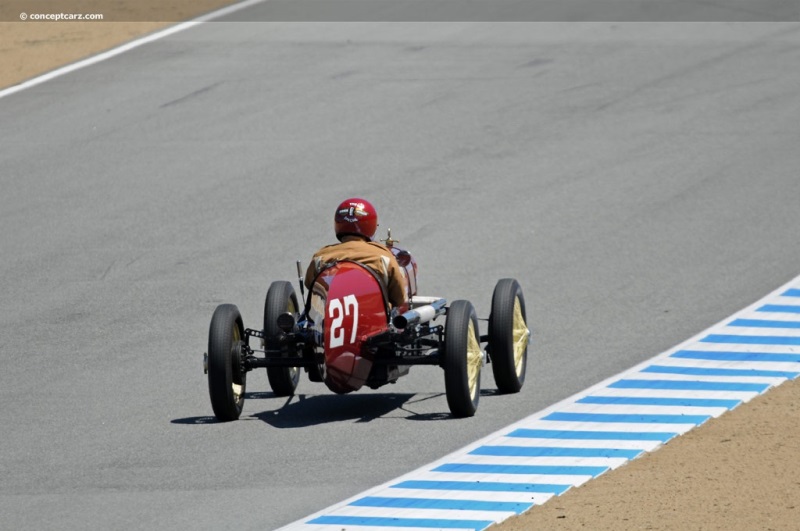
{"x": 462, "y": 359}
{"x": 508, "y": 336}
{"x": 226, "y": 376}
{"x": 280, "y": 299}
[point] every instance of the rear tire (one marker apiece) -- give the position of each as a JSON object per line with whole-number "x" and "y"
{"x": 226, "y": 377}
{"x": 462, "y": 359}
{"x": 280, "y": 299}
{"x": 508, "y": 336}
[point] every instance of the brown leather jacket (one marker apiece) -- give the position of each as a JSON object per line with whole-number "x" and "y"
{"x": 373, "y": 255}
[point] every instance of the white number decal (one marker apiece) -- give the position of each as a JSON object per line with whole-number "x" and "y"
{"x": 351, "y": 302}
{"x": 337, "y": 310}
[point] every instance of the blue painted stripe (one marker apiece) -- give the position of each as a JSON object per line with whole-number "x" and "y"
{"x": 791, "y": 293}
{"x": 375, "y": 521}
{"x": 737, "y": 356}
{"x": 764, "y": 323}
{"x": 688, "y": 385}
{"x": 551, "y": 470}
{"x": 751, "y": 340}
{"x": 628, "y": 418}
{"x": 655, "y": 401}
{"x": 438, "y": 503}
{"x": 482, "y": 486}
{"x": 579, "y": 435}
{"x": 779, "y": 308}
{"x": 699, "y": 371}
{"x": 544, "y": 451}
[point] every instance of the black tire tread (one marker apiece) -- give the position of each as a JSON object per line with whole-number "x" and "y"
{"x": 221, "y": 373}
{"x": 456, "y": 378}
{"x": 282, "y": 380}
{"x": 501, "y": 339}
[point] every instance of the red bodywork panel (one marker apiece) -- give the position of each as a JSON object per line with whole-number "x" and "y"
{"x": 355, "y": 308}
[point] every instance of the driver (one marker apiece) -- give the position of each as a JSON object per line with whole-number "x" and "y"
{"x": 355, "y": 223}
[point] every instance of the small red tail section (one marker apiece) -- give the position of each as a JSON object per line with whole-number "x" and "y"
{"x": 355, "y": 308}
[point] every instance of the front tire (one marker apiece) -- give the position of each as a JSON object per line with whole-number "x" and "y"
{"x": 280, "y": 299}
{"x": 226, "y": 376}
{"x": 462, "y": 359}
{"x": 508, "y": 336}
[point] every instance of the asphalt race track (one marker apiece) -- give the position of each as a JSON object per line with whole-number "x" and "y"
{"x": 639, "y": 179}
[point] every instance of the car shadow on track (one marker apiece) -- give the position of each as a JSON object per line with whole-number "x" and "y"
{"x": 303, "y": 410}
{"x": 309, "y": 410}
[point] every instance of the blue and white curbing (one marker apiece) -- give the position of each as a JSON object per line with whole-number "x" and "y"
{"x": 587, "y": 434}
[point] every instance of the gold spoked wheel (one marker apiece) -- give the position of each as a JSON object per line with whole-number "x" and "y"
{"x": 509, "y": 336}
{"x": 474, "y": 361}
{"x": 521, "y": 336}
{"x": 280, "y": 299}
{"x": 226, "y": 377}
{"x": 462, "y": 359}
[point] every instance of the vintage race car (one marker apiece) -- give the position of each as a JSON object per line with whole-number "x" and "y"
{"x": 346, "y": 336}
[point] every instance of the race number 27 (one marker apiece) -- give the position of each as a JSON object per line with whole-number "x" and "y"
{"x": 338, "y": 309}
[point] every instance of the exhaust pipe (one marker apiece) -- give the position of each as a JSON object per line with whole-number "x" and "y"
{"x": 422, "y": 314}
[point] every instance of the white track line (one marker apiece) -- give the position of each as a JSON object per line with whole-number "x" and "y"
{"x": 127, "y": 46}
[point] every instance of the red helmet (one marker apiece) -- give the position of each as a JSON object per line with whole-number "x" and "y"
{"x": 355, "y": 216}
